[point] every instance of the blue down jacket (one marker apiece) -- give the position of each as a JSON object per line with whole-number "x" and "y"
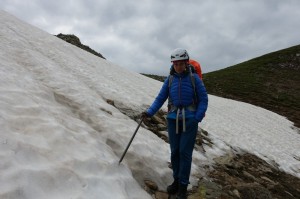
{"x": 182, "y": 95}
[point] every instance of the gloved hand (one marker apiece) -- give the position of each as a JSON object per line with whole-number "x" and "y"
{"x": 145, "y": 114}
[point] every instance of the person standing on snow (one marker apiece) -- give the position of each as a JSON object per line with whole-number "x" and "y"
{"x": 188, "y": 102}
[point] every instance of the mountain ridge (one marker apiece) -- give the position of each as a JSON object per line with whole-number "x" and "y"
{"x": 73, "y": 39}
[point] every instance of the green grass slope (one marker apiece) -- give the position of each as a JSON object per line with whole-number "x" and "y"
{"x": 271, "y": 81}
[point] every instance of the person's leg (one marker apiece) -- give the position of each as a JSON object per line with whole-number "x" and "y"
{"x": 187, "y": 142}
{"x": 174, "y": 140}
{"x": 174, "y": 146}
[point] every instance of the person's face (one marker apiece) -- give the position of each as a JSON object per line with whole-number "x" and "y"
{"x": 179, "y": 66}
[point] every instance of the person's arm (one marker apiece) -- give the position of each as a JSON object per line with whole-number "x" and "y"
{"x": 202, "y": 98}
{"x": 160, "y": 99}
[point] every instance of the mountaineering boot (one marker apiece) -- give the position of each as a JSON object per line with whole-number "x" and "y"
{"x": 182, "y": 192}
{"x": 173, "y": 188}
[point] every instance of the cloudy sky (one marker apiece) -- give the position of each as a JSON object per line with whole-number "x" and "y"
{"x": 140, "y": 34}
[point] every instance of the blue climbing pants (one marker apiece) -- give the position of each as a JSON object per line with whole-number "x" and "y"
{"x": 182, "y": 145}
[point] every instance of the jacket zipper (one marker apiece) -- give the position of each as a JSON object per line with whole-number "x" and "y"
{"x": 180, "y": 91}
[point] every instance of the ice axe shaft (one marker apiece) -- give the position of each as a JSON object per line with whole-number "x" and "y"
{"x": 136, "y": 130}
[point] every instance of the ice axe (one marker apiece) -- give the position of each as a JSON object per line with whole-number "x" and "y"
{"x": 137, "y": 128}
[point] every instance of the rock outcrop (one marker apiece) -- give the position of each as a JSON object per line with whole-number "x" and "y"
{"x": 72, "y": 39}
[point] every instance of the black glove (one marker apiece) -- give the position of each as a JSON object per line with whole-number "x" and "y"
{"x": 145, "y": 114}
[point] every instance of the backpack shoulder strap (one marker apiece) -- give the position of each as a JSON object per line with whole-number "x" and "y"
{"x": 171, "y": 77}
{"x": 192, "y": 73}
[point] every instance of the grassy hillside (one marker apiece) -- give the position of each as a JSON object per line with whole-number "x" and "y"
{"x": 156, "y": 77}
{"x": 271, "y": 81}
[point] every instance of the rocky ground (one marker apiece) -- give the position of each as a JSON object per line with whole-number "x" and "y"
{"x": 234, "y": 176}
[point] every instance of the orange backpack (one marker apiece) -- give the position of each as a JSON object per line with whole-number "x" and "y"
{"x": 197, "y": 67}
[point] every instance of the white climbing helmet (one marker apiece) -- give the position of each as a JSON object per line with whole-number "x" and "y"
{"x": 179, "y": 54}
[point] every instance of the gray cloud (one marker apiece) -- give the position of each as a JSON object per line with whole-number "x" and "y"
{"x": 139, "y": 35}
